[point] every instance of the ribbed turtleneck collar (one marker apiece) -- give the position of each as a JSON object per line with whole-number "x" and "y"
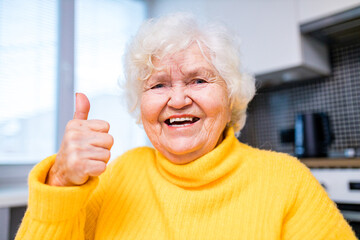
{"x": 204, "y": 170}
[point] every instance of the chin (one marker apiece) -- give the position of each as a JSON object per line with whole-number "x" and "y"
{"x": 182, "y": 159}
{"x": 182, "y": 149}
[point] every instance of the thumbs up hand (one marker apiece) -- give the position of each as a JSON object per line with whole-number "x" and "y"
{"x": 85, "y": 148}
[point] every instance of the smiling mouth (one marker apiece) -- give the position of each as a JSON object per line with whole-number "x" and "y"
{"x": 181, "y": 122}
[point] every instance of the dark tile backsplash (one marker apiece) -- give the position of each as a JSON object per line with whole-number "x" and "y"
{"x": 274, "y": 109}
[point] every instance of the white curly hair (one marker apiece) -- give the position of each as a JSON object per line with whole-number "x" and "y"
{"x": 166, "y": 35}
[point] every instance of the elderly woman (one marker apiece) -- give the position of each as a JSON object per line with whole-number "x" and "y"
{"x": 185, "y": 84}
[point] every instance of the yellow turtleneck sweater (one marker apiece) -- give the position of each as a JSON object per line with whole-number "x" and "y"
{"x": 233, "y": 192}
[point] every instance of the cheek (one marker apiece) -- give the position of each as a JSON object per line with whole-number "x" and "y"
{"x": 225, "y": 105}
{"x": 146, "y": 111}
{"x": 150, "y": 107}
{"x": 215, "y": 103}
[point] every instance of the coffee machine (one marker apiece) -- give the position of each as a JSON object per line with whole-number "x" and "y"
{"x": 313, "y": 135}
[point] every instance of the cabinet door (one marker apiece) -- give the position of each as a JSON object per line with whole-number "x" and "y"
{"x": 269, "y": 32}
{"x": 310, "y": 10}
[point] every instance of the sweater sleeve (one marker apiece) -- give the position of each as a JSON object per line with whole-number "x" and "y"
{"x": 59, "y": 212}
{"x": 313, "y": 215}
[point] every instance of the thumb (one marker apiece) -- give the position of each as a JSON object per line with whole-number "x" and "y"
{"x": 82, "y": 106}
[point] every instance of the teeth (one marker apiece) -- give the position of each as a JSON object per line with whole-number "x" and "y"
{"x": 181, "y": 119}
{"x": 181, "y": 125}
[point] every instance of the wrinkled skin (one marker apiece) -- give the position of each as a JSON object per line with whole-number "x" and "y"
{"x": 85, "y": 148}
{"x": 185, "y": 86}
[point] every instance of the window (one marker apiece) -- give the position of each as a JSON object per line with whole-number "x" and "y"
{"x": 101, "y": 32}
{"x": 27, "y": 79}
{"x": 28, "y": 73}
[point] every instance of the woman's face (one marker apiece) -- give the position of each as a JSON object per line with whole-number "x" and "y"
{"x": 185, "y": 106}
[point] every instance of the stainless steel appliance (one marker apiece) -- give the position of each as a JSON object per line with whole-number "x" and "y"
{"x": 343, "y": 187}
{"x": 312, "y": 135}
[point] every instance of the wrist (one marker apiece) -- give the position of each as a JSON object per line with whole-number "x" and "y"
{"x": 53, "y": 178}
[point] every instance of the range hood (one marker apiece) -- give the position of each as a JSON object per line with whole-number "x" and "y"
{"x": 338, "y": 28}
{"x": 315, "y": 38}
{"x": 312, "y": 63}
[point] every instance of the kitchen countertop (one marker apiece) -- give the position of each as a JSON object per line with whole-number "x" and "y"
{"x": 331, "y": 162}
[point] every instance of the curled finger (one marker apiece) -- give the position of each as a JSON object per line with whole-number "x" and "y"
{"x": 94, "y": 168}
{"x": 103, "y": 140}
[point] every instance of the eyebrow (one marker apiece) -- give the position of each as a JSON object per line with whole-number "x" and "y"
{"x": 192, "y": 72}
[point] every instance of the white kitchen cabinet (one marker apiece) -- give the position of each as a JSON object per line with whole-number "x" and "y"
{"x": 272, "y": 46}
{"x": 310, "y": 10}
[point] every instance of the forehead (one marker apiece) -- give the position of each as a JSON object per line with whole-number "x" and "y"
{"x": 188, "y": 60}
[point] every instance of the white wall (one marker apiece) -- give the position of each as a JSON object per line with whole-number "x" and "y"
{"x": 310, "y": 10}
{"x": 264, "y": 26}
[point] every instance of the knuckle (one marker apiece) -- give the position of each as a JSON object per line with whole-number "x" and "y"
{"x": 71, "y": 148}
{"x": 101, "y": 167}
{"x": 74, "y": 134}
{"x": 71, "y": 135}
{"x": 111, "y": 140}
{"x": 87, "y": 171}
{"x": 105, "y": 125}
{"x": 73, "y": 164}
{"x": 96, "y": 168}
{"x": 81, "y": 168}
{"x": 72, "y": 124}
{"x": 107, "y": 154}
{"x": 75, "y": 161}
{"x": 103, "y": 155}
{"x": 74, "y": 151}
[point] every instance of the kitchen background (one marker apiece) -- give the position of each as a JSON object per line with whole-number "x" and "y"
{"x": 50, "y": 49}
{"x": 274, "y": 109}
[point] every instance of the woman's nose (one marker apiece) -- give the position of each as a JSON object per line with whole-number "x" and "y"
{"x": 179, "y": 98}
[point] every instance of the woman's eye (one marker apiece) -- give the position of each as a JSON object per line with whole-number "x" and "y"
{"x": 199, "y": 81}
{"x": 160, "y": 85}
